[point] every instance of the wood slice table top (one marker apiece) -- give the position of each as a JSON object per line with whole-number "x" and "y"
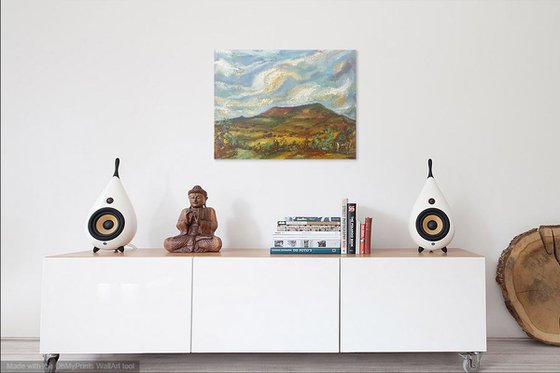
{"x": 529, "y": 275}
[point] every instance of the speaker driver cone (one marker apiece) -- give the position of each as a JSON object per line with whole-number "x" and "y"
{"x": 106, "y": 224}
{"x": 432, "y": 224}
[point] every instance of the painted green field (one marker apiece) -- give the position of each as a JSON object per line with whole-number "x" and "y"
{"x": 300, "y": 132}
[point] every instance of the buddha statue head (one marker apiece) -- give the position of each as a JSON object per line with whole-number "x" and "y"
{"x": 197, "y": 197}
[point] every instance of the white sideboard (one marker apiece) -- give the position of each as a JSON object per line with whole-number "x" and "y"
{"x": 112, "y": 304}
{"x": 246, "y": 300}
{"x": 426, "y": 302}
{"x": 261, "y": 305}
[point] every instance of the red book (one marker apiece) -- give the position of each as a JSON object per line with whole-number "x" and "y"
{"x": 362, "y": 239}
{"x": 367, "y": 232}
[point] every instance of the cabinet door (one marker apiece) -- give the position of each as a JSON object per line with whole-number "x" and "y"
{"x": 265, "y": 305}
{"x": 413, "y": 304}
{"x": 116, "y": 305}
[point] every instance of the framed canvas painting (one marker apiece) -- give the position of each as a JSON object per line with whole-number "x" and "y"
{"x": 285, "y": 104}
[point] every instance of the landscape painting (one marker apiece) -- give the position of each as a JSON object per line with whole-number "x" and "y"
{"x": 285, "y": 104}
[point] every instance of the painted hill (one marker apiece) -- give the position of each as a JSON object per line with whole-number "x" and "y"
{"x": 311, "y": 110}
{"x": 306, "y": 131}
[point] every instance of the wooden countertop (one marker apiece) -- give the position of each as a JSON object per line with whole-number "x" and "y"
{"x": 261, "y": 253}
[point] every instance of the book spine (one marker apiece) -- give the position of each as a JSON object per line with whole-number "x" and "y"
{"x": 358, "y": 233}
{"x": 368, "y": 227}
{"x": 305, "y": 228}
{"x": 308, "y": 233}
{"x": 344, "y": 227}
{"x": 283, "y": 242}
{"x": 351, "y": 233}
{"x": 308, "y": 223}
{"x": 305, "y": 250}
{"x": 363, "y": 250}
{"x": 312, "y": 218}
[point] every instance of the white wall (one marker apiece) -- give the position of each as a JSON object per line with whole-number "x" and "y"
{"x": 474, "y": 85}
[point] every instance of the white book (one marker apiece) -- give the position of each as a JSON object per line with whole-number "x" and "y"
{"x": 302, "y": 235}
{"x": 358, "y": 231}
{"x": 305, "y": 242}
{"x": 308, "y": 233}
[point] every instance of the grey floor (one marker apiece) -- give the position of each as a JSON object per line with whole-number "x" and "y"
{"x": 503, "y": 355}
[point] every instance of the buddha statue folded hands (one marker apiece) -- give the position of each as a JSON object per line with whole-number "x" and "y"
{"x": 196, "y": 226}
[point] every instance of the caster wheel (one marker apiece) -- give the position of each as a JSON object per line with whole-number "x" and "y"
{"x": 50, "y": 365}
{"x": 49, "y": 362}
{"x": 471, "y": 362}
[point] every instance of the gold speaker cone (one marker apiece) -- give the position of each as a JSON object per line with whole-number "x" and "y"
{"x": 438, "y": 221}
{"x": 104, "y": 218}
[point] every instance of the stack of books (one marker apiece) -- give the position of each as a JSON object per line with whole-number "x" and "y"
{"x": 355, "y": 236}
{"x": 307, "y": 235}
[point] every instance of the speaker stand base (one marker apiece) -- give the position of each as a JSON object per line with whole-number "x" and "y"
{"x": 95, "y": 249}
{"x": 420, "y": 249}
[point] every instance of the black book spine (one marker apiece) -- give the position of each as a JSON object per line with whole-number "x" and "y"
{"x": 351, "y": 231}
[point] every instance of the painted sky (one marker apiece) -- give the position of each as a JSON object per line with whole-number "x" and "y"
{"x": 248, "y": 82}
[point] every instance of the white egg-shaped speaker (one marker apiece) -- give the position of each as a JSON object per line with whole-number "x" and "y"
{"x": 431, "y": 225}
{"x": 111, "y": 221}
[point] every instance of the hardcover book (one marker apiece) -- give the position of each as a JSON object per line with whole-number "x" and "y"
{"x": 313, "y": 218}
{"x": 368, "y": 227}
{"x": 358, "y": 233}
{"x": 363, "y": 239}
{"x": 310, "y": 223}
{"x": 304, "y": 228}
{"x": 305, "y": 242}
{"x": 344, "y": 227}
{"x": 305, "y": 250}
{"x": 331, "y": 234}
{"x": 351, "y": 233}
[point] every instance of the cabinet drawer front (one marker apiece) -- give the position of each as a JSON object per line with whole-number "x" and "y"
{"x": 116, "y": 305}
{"x": 413, "y": 304}
{"x": 265, "y": 305}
